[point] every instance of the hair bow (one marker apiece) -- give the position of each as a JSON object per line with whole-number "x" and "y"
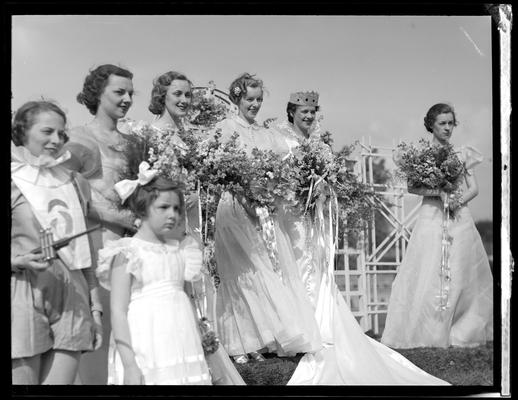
{"x": 126, "y": 187}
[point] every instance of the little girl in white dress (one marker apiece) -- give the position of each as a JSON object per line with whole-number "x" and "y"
{"x": 154, "y": 327}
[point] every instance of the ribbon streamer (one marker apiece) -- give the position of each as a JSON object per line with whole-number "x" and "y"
{"x": 268, "y": 235}
{"x": 445, "y": 273}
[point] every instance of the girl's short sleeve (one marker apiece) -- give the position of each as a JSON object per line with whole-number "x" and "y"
{"x": 193, "y": 258}
{"x": 471, "y": 157}
{"x": 107, "y": 255}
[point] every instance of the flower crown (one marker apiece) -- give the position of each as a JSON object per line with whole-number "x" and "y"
{"x": 126, "y": 187}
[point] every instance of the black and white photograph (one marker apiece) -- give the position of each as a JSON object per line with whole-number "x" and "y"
{"x": 260, "y": 200}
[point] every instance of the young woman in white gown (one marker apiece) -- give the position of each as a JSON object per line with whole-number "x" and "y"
{"x": 256, "y": 308}
{"x": 414, "y": 318}
{"x": 348, "y": 356}
{"x": 171, "y": 99}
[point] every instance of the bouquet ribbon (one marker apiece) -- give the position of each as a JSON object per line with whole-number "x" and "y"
{"x": 445, "y": 276}
{"x": 268, "y": 234}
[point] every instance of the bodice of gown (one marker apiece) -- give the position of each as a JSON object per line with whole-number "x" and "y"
{"x": 152, "y": 263}
{"x": 109, "y": 159}
{"x": 250, "y": 135}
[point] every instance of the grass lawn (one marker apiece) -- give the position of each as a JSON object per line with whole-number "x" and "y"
{"x": 459, "y": 366}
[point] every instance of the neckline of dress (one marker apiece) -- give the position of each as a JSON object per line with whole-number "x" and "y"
{"x": 174, "y": 244}
{"x": 288, "y": 128}
{"x": 107, "y": 140}
{"x": 246, "y": 124}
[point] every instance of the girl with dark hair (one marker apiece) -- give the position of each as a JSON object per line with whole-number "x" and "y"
{"x": 55, "y": 305}
{"x": 97, "y": 154}
{"x": 256, "y": 310}
{"x": 413, "y": 318}
{"x": 154, "y": 328}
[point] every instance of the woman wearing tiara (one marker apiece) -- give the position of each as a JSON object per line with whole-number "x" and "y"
{"x": 256, "y": 309}
{"x": 348, "y": 356}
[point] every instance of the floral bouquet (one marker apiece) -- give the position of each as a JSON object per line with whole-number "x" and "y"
{"x": 311, "y": 161}
{"x": 270, "y": 181}
{"x": 206, "y": 110}
{"x": 355, "y": 199}
{"x": 431, "y": 166}
{"x": 209, "y": 340}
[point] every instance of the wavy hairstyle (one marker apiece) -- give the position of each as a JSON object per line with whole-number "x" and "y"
{"x": 159, "y": 91}
{"x": 96, "y": 81}
{"x": 238, "y": 87}
{"x": 434, "y": 111}
{"x": 25, "y": 116}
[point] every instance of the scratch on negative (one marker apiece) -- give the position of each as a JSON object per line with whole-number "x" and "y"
{"x": 471, "y": 40}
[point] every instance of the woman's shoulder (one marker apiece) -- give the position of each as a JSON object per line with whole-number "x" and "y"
{"x": 83, "y": 134}
{"x": 82, "y": 141}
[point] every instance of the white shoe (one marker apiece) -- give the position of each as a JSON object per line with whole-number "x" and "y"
{"x": 240, "y": 359}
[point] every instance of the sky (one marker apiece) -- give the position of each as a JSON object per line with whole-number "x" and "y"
{"x": 376, "y": 75}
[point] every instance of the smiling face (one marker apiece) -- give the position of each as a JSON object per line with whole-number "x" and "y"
{"x": 164, "y": 215}
{"x": 117, "y": 97}
{"x": 250, "y": 104}
{"x": 303, "y": 118}
{"x": 46, "y": 135}
{"x": 178, "y": 98}
{"x": 442, "y": 128}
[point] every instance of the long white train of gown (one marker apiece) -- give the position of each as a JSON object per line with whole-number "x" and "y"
{"x": 348, "y": 357}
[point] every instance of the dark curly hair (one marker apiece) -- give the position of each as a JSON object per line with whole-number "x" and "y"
{"x": 96, "y": 81}
{"x": 160, "y": 85}
{"x": 143, "y": 196}
{"x": 434, "y": 111}
{"x": 24, "y": 118}
{"x": 291, "y": 108}
{"x": 242, "y": 82}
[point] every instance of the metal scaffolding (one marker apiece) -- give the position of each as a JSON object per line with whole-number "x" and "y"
{"x": 368, "y": 280}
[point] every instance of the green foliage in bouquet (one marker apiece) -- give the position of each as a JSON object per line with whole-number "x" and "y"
{"x": 430, "y": 166}
{"x": 206, "y": 110}
{"x": 321, "y": 172}
{"x": 270, "y": 181}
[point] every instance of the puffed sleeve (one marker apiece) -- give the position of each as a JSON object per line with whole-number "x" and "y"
{"x": 193, "y": 258}
{"x": 471, "y": 157}
{"x": 85, "y": 154}
{"x": 107, "y": 255}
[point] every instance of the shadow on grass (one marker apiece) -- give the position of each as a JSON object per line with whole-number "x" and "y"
{"x": 459, "y": 366}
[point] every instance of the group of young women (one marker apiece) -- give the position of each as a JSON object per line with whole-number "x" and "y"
{"x": 69, "y": 180}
